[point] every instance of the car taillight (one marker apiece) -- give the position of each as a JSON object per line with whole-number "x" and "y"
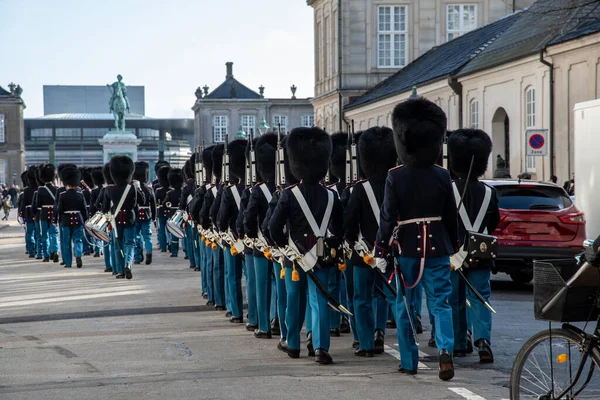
{"x": 577, "y": 218}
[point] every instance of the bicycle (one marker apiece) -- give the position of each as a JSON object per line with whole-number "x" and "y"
{"x": 552, "y": 363}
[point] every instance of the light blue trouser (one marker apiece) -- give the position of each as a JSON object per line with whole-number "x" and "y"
{"x": 208, "y": 263}
{"x": 364, "y": 284}
{"x": 273, "y": 303}
{"x": 72, "y": 234}
{"x": 349, "y": 275}
{"x": 296, "y": 306}
{"x": 263, "y": 272}
{"x": 320, "y": 310}
{"x": 227, "y": 271}
{"x": 143, "y": 239}
{"x": 108, "y": 256}
{"x": 49, "y": 239}
{"x": 334, "y": 288}
{"x": 86, "y": 246}
{"x": 481, "y": 316}
{"x": 162, "y": 233}
{"x": 251, "y": 289}
{"x": 437, "y": 286}
{"x": 38, "y": 236}
{"x": 281, "y": 299}
{"x": 384, "y": 307}
{"x": 219, "y": 276}
{"x": 124, "y": 247}
{"x": 234, "y": 266}
{"x": 30, "y": 245}
{"x": 190, "y": 241}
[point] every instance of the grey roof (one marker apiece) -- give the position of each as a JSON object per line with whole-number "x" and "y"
{"x": 438, "y": 63}
{"x": 545, "y": 23}
{"x": 224, "y": 91}
{"x": 89, "y": 116}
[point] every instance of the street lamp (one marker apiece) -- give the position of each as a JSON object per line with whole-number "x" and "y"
{"x": 241, "y": 134}
{"x": 263, "y": 127}
{"x": 14, "y": 175}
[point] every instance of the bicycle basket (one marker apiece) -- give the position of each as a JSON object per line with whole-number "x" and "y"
{"x": 554, "y": 300}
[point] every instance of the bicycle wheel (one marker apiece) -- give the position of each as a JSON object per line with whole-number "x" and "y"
{"x": 544, "y": 368}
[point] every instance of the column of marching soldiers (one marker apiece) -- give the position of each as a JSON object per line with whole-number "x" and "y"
{"x": 327, "y": 231}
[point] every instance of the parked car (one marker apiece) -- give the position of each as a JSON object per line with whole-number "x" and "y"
{"x": 538, "y": 221}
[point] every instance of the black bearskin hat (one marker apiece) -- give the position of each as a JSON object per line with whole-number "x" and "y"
{"x": 159, "y": 164}
{"x": 98, "y": 176}
{"x": 37, "y": 175}
{"x": 467, "y": 144}
{"x": 175, "y": 178}
{"x": 31, "y": 173}
{"x": 163, "y": 176}
{"x": 237, "y": 158}
{"x": 376, "y": 152}
{"x": 121, "y": 169}
{"x": 86, "y": 175}
{"x": 107, "y": 176}
{"x": 254, "y": 142}
{"x": 47, "y": 173}
{"x": 290, "y": 179}
{"x": 309, "y": 150}
{"x": 266, "y": 146}
{"x": 337, "y": 162}
{"x": 70, "y": 176}
{"x": 187, "y": 170}
{"x": 24, "y": 180}
{"x": 207, "y": 162}
{"x": 217, "y": 159}
{"x": 419, "y": 129}
{"x": 142, "y": 169}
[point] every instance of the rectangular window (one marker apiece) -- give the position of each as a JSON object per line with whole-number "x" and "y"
{"x": 3, "y": 172}
{"x": 391, "y": 36}
{"x": 474, "y": 114}
{"x": 334, "y": 23}
{"x": 2, "y": 128}
{"x": 530, "y": 121}
{"x": 308, "y": 121}
{"x": 460, "y": 19}
{"x": 220, "y": 123}
{"x": 248, "y": 123}
{"x": 280, "y": 119}
{"x": 68, "y": 132}
{"x": 45, "y": 133}
{"x": 319, "y": 58}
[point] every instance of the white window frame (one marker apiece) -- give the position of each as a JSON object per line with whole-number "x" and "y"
{"x": 3, "y": 167}
{"x": 220, "y": 128}
{"x": 248, "y": 122}
{"x": 474, "y": 111}
{"x": 397, "y": 29}
{"x": 530, "y": 121}
{"x": 2, "y": 128}
{"x": 280, "y": 119}
{"x": 454, "y": 32}
{"x": 308, "y": 121}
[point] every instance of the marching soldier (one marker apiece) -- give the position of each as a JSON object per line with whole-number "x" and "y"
{"x": 99, "y": 181}
{"x": 27, "y": 212}
{"x": 87, "y": 184}
{"x": 309, "y": 211}
{"x": 159, "y": 164}
{"x": 72, "y": 213}
{"x": 36, "y": 213}
{"x": 171, "y": 204}
{"x": 254, "y": 215}
{"x": 163, "y": 212}
{"x": 187, "y": 196}
{"x": 479, "y": 206}
{"x": 419, "y": 205}
{"x": 122, "y": 202}
{"x": 146, "y": 215}
{"x": 110, "y": 261}
{"x": 46, "y": 198}
{"x": 226, "y": 218}
{"x": 60, "y": 190}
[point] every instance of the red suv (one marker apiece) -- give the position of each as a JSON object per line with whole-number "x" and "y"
{"x": 539, "y": 221}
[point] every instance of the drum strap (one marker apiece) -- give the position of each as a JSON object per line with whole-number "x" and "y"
{"x": 266, "y": 192}
{"x": 120, "y": 205}
{"x": 464, "y": 217}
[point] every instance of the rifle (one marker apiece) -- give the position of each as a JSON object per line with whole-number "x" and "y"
{"x": 225, "y": 173}
{"x": 279, "y": 162}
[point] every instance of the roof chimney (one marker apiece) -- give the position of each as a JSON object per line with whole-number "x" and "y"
{"x": 229, "y": 70}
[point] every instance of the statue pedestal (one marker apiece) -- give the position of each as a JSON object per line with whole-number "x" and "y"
{"x": 121, "y": 143}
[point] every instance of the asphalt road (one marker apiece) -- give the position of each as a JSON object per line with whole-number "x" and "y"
{"x": 82, "y": 334}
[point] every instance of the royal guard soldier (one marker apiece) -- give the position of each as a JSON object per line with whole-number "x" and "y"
{"x": 361, "y": 221}
{"x": 110, "y": 261}
{"x": 226, "y": 219}
{"x": 211, "y": 198}
{"x": 87, "y": 183}
{"x": 187, "y": 195}
{"x": 254, "y": 215}
{"x": 121, "y": 200}
{"x": 171, "y": 204}
{"x": 466, "y": 146}
{"x": 419, "y": 215}
{"x": 163, "y": 212}
{"x": 205, "y": 248}
{"x": 156, "y": 182}
{"x": 36, "y": 212}
{"x": 72, "y": 213}
{"x": 313, "y": 218}
{"x": 27, "y": 212}
{"x": 46, "y": 198}
{"x": 146, "y": 215}
{"x": 99, "y": 181}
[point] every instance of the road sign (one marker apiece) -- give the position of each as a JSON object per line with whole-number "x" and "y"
{"x": 536, "y": 142}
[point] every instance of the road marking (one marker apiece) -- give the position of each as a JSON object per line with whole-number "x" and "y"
{"x": 467, "y": 394}
{"x": 73, "y": 298}
{"x": 394, "y": 353}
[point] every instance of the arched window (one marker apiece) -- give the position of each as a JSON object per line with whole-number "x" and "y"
{"x": 474, "y": 114}
{"x": 3, "y": 171}
{"x": 530, "y": 120}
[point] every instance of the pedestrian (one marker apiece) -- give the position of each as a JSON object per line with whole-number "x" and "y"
{"x": 14, "y": 193}
{"x": 553, "y": 179}
{"x": 419, "y": 215}
{"x": 72, "y": 212}
{"x": 6, "y": 206}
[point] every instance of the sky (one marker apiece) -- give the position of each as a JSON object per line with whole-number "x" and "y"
{"x": 169, "y": 46}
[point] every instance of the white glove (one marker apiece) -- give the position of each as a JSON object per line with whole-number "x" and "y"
{"x": 381, "y": 263}
{"x": 136, "y": 184}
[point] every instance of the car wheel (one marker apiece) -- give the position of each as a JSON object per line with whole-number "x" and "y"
{"x": 521, "y": 276}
